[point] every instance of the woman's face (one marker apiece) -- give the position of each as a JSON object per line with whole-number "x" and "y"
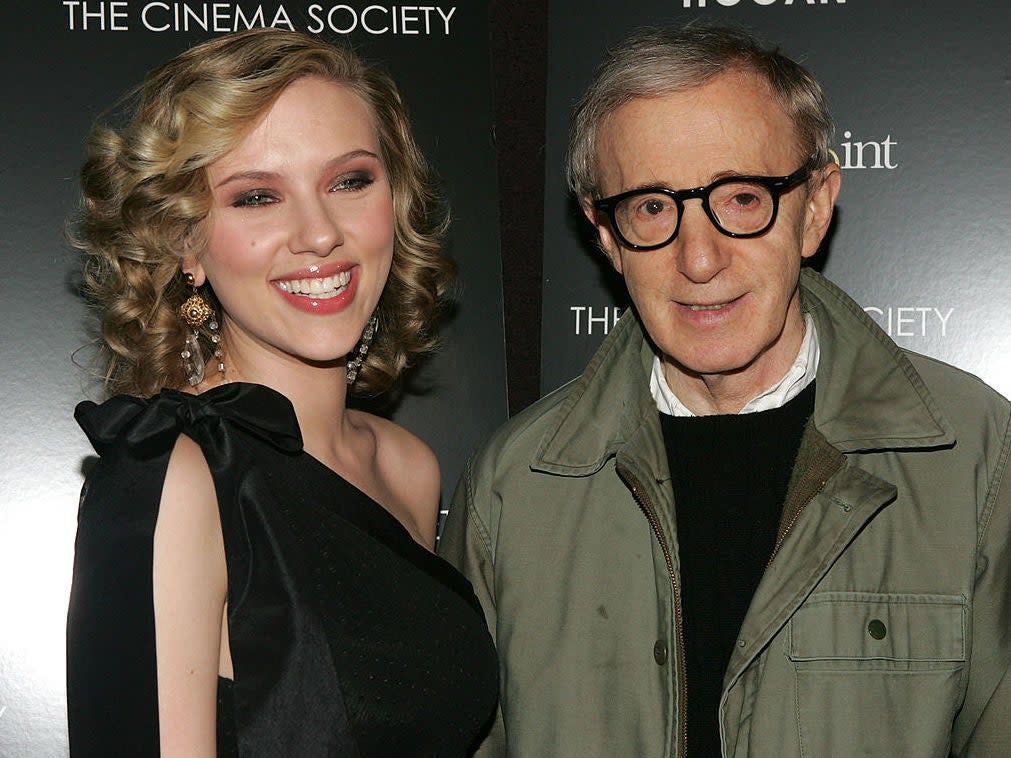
{"x": 301, "y": 229}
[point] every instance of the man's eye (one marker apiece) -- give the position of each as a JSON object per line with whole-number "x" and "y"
{"x": 745, "y": 199}
{"x": 740, "y": 197}
{"x": 653, "y": 206}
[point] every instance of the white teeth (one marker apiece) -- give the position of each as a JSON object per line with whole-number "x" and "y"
{"x": 322, "y": 288}
{"x": 707, "y": 307}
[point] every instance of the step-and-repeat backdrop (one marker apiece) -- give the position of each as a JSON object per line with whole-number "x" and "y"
{"x": 63, "y": 63}
{"x": 921, "y": 95}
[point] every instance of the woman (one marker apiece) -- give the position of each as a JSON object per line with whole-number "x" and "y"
{"x": 253, "y": 572}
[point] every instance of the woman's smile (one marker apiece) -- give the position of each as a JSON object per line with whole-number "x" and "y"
{"x": 320, "y": 295}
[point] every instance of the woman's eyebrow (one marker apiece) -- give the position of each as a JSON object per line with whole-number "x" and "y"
{"x": 260, "y": 175}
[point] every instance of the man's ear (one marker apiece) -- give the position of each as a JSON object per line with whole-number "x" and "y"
{"x": 818, "y": 209}
{"x": 605, "y": 239}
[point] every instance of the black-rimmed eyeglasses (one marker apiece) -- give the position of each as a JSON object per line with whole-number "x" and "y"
{"x": 739, "y": 206}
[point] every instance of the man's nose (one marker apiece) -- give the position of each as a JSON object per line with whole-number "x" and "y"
{"x": 316, "y": 229}
{"x": 699, "y": 250}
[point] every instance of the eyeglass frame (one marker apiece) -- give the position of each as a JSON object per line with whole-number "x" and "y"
{"x": 777, "y": 186}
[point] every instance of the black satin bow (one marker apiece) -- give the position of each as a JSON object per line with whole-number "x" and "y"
{"x": 150, "y": 426}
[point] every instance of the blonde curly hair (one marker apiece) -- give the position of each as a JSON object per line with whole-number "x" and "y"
{"x": 146, "y": 197}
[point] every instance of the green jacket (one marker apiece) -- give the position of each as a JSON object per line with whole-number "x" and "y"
{"x": 882, "y": 625}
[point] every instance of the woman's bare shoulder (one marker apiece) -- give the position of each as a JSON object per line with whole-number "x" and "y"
{"x": 409, "y": 470}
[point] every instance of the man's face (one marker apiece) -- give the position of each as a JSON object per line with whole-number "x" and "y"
{"x": 715, "y": 305}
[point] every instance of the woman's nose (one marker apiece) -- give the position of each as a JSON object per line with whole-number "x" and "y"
{"x": 317, "y": 230}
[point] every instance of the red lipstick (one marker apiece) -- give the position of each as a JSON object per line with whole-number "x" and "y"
{"x": 311, "y": 303}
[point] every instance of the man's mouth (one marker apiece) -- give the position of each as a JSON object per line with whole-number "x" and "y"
{"x": 319, "y": 288}
{"x": 716, "y": 307}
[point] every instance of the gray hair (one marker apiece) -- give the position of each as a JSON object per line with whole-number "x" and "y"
{"x": 654, "y": 62}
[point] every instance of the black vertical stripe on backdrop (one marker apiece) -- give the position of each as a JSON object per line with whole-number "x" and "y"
{"x": 519, "y": 73}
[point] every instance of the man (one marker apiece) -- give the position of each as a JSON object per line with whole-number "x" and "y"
{"x": 753, "y": 526}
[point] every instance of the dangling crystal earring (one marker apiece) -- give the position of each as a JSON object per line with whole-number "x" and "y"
{"x": 363, "y": 348}
{"x": 196, "y": 312}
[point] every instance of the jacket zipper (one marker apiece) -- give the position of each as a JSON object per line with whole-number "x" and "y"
{"x": 646, "y": 506}
{"x": 793, "y": 520}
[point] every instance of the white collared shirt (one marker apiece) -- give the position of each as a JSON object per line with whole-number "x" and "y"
{"x": 799, "y": 375}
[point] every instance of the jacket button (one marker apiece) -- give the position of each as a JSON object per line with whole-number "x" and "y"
{"x": 877, "y": 629}
{"x": 660, "y": 652}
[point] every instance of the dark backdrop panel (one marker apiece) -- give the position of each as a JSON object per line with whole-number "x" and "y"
{"x": 60, "y": 70}
{"x": 519, "y": 52}
{"x": 921, "y": 96}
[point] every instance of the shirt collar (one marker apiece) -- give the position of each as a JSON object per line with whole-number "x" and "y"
{"x": 799, "y": 375}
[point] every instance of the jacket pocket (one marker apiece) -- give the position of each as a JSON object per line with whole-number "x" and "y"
{"x": 877, "y": 674}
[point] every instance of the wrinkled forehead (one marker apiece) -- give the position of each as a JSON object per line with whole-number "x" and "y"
{"x": 733, "y": 123}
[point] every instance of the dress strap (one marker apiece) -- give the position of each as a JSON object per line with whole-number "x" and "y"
{"x": 149, "y": 427}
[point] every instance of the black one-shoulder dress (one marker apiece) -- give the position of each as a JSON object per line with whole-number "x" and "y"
{"x": 347, "y": 637}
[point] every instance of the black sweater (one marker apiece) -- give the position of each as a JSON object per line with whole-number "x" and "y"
{"x": 730, "y": 475}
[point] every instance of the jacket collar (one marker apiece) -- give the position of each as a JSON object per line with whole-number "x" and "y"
{"x": 868, "y": 395}
{"x": 603, "y": 407}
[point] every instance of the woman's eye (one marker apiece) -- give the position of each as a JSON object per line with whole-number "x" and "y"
{"x": 249, "y": 199}
{"x": 352, "y": 183}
